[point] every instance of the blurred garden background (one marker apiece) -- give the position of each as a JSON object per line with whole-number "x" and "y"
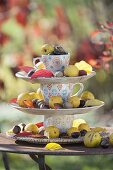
{"x": 82, "y": 27}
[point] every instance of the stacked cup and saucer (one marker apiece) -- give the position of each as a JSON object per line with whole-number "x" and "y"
{"x": 62, "y": 86}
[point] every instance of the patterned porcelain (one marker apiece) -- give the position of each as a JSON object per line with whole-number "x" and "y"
{"x": 56, "y": 80}
{"x": 54, "y": 62}
{"x": 62, "y": 118}
{"x": 61, "y": 122}
{"x": 63, "y": 90}
{"x": 63, "y": 86}
{"x": 55, "y": 112}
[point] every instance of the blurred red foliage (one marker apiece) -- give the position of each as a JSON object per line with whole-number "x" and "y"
{"x": 22, "y": 17}
{"x": 90, "y": 52}
{"x": 4, "y": 38}
{"x": 98, "y": 53}
{"x": 19, "y": 3}
{"x": 62, "y": 29}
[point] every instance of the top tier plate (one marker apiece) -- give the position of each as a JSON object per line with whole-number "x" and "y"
{"x": 57, "y": 80}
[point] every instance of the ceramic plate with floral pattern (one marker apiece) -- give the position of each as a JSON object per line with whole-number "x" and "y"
{"x": 57, "y": 80}
{"x": 51, "y": 112}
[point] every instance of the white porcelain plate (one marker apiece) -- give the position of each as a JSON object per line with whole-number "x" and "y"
{"x": 57, "y": 80}
{"x": 51, "y": 112}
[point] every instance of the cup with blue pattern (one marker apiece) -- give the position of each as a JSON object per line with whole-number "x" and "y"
{"x": 63, "y": 90}
{"x": 54, "y": 63}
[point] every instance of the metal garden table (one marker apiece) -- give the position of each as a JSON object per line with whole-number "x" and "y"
{"x": 38, "y": 153}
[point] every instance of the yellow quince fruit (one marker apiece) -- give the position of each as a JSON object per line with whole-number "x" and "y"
{"x": 71, "y": 71}
{"x": 71, "y": 130}
{"x": 92, "y": 139}
{"x": 82, "y": 65}
{"x": 53, "y": 146}
{"x": 55, "y": 99}
{"x": 47, "y": 49}
{"x": 93, "y": 102}
{"x": 84, "y": 126}
{"x": 22, "y": 97}
{"x": 87, "y": 95}
{"x": 31, "y": 128}
{"x": 75, "y": 101}
{"x": 77, "y": 122}
{"x": 98, "y": 129}
{"x": 52, "y": 132}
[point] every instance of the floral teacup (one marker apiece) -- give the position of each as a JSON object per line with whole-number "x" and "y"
{"x": 63, "y": 122}
{"x": 63, "y": 90}
{"x": 54, "y": 63}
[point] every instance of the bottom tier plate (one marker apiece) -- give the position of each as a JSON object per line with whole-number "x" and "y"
{"x": 32, "y": 140}
{"x": 51, "y": 112}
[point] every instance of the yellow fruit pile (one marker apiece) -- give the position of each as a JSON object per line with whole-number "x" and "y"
{"x": 29, "y": 96}
{"x": 86, "y": 97}
{"x": 78, "y": 69}
{"x": 21, "y": 128}
{"x": 78, "y": 125}
{"x": 56, "y": 102}
{"x": 92, "y": 137}
{"x": 98, "y": 136}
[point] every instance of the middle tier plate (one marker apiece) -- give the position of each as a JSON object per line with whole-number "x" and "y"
{"x": 54, "y": 112}
{"x": 57, "y": 80}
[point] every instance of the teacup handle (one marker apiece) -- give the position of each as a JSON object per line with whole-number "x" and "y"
{"x": 80, "y": 90}
{"x": 36, "y": 59}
